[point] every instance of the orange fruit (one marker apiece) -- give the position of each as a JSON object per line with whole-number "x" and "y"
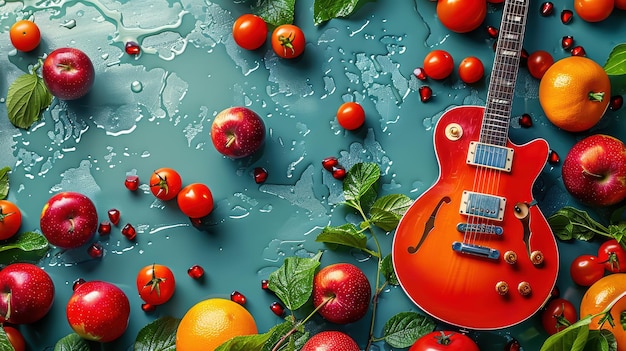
{"x": 574, "y": 93}
{"x": 599, "y": 296}
{"x": 211, "y": 322}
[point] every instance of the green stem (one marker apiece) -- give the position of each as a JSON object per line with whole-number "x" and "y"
{"x": 298, "y": 324}
{"x": 604, "y": 231}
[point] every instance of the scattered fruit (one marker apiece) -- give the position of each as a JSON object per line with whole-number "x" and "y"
{"x": 617, "y": 101}
{"x": 597, "y": 298}
{"x": 461, "y": 16}
{"x": 538, "y": 63}
{"x": 547, "y": 8}
{"x": 195, "y": 271}
{"x": 567, "y": 42}
{"x": 265, "y": 284}
{"x": 195, "y": 200}
{"x": 165, "y": 183}
{"x": 553, "y": 157}
{"x": 330, "y": 340}
{"x": 16, "y": 339}
{"x": 525, "y": 121}
{"x": 338, "y": 172}
{"x": 68, "y": 73}
{"x": 146, "y": 307}
{"x": 77, "y": 283}
{"x": 132, "y": 48}
{"x": 238, "y": 297}
{"x": 493, "y": 32}
{"x": 558, "y": 314}
{"x": 471, "y": 70}
{"x": 419, "y": 73}
{"x": 444, "y": 340}
{"x": 594, "y": 10}
{"x": 567, "y": 16}
{"x": 95, "y": 250}
{"x": 344, "y": 292}
{"x": 114, "y": 216}
{"x": 578, "y": 51}
{"x": 10, "y": 219}
{"x": 586, "y": 269}
{"x": 426, "y": 93}
{"x": 25, "y": 35}
{"x": 288, "y": 41}
{"x": 104, "y": 228}
{"x": 438, "y": 64}
{"x": 260, "y": 175}
{"x": 129, "y": 231}
{"x": 329, "y": 163}
{"x": 155, "y": 284}
{"x": 351, "y": 115}
{"x": 69, "y": 220}
{"x": 249, "y": 31}
{"x": 26, "y": 293}
{"x": 277, "y": 308}
{"x": 237, "y": 132}
{"x": 131, "y": 182}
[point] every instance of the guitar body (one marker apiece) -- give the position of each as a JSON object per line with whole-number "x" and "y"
{"x": 468, "y": 286}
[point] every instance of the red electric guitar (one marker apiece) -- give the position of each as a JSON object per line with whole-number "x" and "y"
{"x": 474, "y": 250}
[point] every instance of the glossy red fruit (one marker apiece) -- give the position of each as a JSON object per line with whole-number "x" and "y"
{"x": 343, "y": 292}
{"x": 553, "y": 157}
{"x": 338, "y": 172}
{"x": 238, "y": 297}
{"x": 114, "y": 216}
{"x": 586, "y": 270}
{"x": 419, "y": 73}
{"x": 277, "y": 308}
{"x": 129, "y": 231}
{"x": 526, "y": 121}
{"x": 146, "y": 307}
{"x": 492, "y": 32}
{"x": 616, "y": 102}
{"x": 547, "y": 8}
{"x": 16, "y": 339}
{"x": 538, "y": 63}
{"x": 426, "y": 93}
{"x": 68, "y": 73}
{"x": 265, "y": 284}
{"x": 444, "y": 340}
{"x": 104, "y": 228}
{"x": 512, "y": 345}
{"x": 195, "y": 271}
{"x": 249, "y": 31}
{"x": 77, "y": 283}
{"x": 330, "y": 340}
{"x": 567, "y": 42}
{"x": 557, "y": 315}
{"x": 567, "y": 16}
{"x": 69, "y": 220}
{"x": 329, "y": 163}
{"x": 95, "y": 250}
{"x": 26, "y": 293}
{"x": 350, "y": 115}
{"x": 260, "y": 175}
{"x": 156, "y": 284}
{"x": 131, "y": 182}
{"x": 578, "y": 51}
{"x": 132, "y": 48}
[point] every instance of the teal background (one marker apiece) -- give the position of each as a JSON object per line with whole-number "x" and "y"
{"x": 155, "y": 110}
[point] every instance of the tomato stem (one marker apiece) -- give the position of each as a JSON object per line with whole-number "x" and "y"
{"x": 596, "y": 96}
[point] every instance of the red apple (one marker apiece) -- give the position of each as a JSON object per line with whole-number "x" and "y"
{"x": 68, "y": 73}
{"x": 594, "y": 170}
{"x": 98, "y": 311}
{"x": 237, "y": 132}
{"x": 330, "y": 341}
{"x": 69, "y": 220}
{"x": 26, "y": 293}
{"x": 345, "y": 292}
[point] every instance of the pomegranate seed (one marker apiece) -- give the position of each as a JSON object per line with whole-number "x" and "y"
{"x": 616, "y": 102}
{"x": 146, "y": 307}
{"x": 260, "y": 175}
{"x": 104, "y": 228}
{"x": 132, "y": 48}
{"x": 329, "y": 163}
{"x": 114, "y": 216}
{"x": 492, "y": 31}
{"x": 419, "y": 73}
{"x": 526, "y": 121}
{"x": 567, "y": 16}
{"x": 95, "y": 250}
{"x": 512, "y": 345}
{"x": 132, "y": 182}
{"x": 277, "y": 308}
{"x": 553, "y": 158}
{"x": 425, "y": 93}
{"x": 523, "y": 57}
{"x": 567, "y": 42}
{"x": 578, "y": 51}
{"x": 77, "y": 283}
{"x": 546, "y": 9}
{"x": 238, "y": 297}
{"x": 195, "y": 271}
{"x": 555, "y": 292}
{"x": 129, "y": 231}
{"x": 339, "y": 172}
{"x": 265, "y": 284}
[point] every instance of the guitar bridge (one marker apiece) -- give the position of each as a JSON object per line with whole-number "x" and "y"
{"x": 476, "y": 250}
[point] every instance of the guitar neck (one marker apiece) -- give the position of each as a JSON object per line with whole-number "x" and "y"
{"x": 495, "y": 126}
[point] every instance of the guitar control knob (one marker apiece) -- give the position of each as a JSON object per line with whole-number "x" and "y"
{"x": 537, "y": 257}
{"x": 502, "y": 288}
{"x": 524, "y": 288}
{"x": 510, "y": 257}
{"x": 454, "y": 131}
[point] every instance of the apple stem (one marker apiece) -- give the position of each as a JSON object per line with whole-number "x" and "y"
{"x": 71, "y": 225}
{"x": 231, "y": 139}
{"x": 593, "y": 175}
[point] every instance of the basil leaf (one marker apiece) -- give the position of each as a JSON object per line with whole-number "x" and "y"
{"x": 275, "y": 12}
{"x": 616, "y": 62}
{"x": 602, "y": 340}
{"x": 26, "y": 98}
{"x": 386, "y": 269}
{"x": 360, "y": 186}
{"x": 5, "y": 344}
{"x": 293, "y": 281}
{"x": 324, "y": 10}
{"x": 4, "y": 182}
{"x": 572, "y": 338}
{"x": 571, "y": 223}
{"x": 28, "y": 246}
{"x": 159, "y": 335}
{"x": 346, "y": 234}
{"x": 73, "y": 342}
{"x": 404, "y": 328}
{"x": 388, "y": 210}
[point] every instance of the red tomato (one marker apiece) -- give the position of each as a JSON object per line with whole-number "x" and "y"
{"x": 155, "y": 284}
{"x": 620, "y": 4}
{"x": 195, "y": 200}
{"x": 10, "y": 219}
{"x": 538, "y": 63}
{"x": 557, "y": 315}
{"x": 350, "y": 115}
{"x": 594, "y": 10}
{"x": 444, "y": 341}
{"x": 586, "y": 270}
{"x": 613, "y": 255}
{"x": 461, "y": 16}
{"x": 471, "y": 70}
{"x": 438, "y": 64}
{"x": 15, "y": 338}
{"x": 250, "y": 31}
{"x": 165, "y": 183}
{"x": 288, "y": 41}
{"x": 25, "y": 35}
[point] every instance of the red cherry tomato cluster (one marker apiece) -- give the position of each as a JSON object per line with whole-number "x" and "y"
{"x": 439, "y": 64}
{"x": 250, "y": 33}
{"x": 586, "y": 269}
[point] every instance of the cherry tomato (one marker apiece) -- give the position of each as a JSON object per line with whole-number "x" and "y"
{"x": 155, "y": 284}
{"x": 586, "y": 270}
{"x": 444, "y": 341}
{"x": 594, "y": 10}
{"x": 461, "y": 16}
{"x": 288, "y": 41}
{"x": 25, "y": 35}
{"x": 10, "y": 219}
{"x": 613, "y": 255}
{"x": 195, "y": 200}
{"x": 538, "y": 63}
{"x": 620, "y": 4}
{"x": 15, "y": 338}
{"x": 250, "y": 31}
{"x": 471, "y": 70}
{"x": 165, "y": 183}
{"x": 350, "y": 115}
{"x": 557, "y": 315}
{"x": 438, "y": 64}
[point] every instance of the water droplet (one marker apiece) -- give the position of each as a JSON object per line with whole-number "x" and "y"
{"x": 136, "y": 86}
{"x": 69, "y": 24}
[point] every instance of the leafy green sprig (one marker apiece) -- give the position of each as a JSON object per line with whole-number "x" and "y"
{"x": 570, "y": 223}
{"x": 277, "y": 12}
{"x": 27, "y": 97}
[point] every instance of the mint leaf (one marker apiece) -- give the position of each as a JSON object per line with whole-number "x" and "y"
{"x": 4, "y": 182}
{"x": 616, "y": 63}
{"x": 26, "y": 98}
{"x": 73, "y": 342}
{"x": 324, "y": 10}
{"x": 275, "y": 12}
{"x": 386, "y": 269}
{"x": 346, "y": 234}
{"x": 159, "y": 335}
{"x": 404, "y": 328}
{"x": 293, "y": 281}
{"x": 360, "y": 186}
{"x": 387, "y": 211}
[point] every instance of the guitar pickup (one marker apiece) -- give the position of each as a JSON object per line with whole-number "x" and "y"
{"x": 490, "y": 156}
{"x": 482, "y": 205}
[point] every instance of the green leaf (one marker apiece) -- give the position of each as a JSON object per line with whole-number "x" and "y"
{"x": 4, "y": 182}
{"x": 404, "y": 328}
{"x": 244, "y": 343}
{"x": 570, "y": 223}
{"x": 324, "y": 10}
{"x": 293, "y": 281}
{"x": 386, "y": 269}
{"x": 5, "y": 344}
{"x": 159, "y": 335}
{"x": 387, "y": 211}
{"x": 616, "y": 62}
{"x": 294, "y": 341}
{"x": 572, "y": 338}
{"x": 28, "y": 246}
{"x": 360, "y": 186}
{"x": 73, "y": 342}
{"x": 601, "y": 340}
{"x": 26, "y": 98}
{"x": 346, "y": 234}
{"x": 275, "y": 12}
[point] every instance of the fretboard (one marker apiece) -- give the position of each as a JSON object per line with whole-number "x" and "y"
{"x": 495, "y": 125}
